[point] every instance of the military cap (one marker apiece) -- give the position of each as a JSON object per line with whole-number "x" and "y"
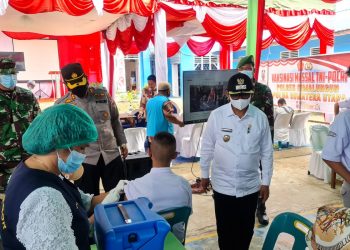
{"x": 240, "y": 84}
{"x": 7, "y": 66}
{"x": 73, "y": 75}
{"x": 163, "y": 86}
{"x": 246, "y": 60}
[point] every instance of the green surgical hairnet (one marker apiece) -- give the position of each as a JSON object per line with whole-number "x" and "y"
{"x": 59, "y": 127}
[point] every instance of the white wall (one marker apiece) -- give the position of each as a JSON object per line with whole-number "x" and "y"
{"x": 40, "y": 57}
{"x": 5, "y": 43}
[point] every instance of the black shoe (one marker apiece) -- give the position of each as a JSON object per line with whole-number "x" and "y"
{"x": 262, "y": 218}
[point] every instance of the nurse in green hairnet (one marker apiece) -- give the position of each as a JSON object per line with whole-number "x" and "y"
{"x": 42, "y": 207}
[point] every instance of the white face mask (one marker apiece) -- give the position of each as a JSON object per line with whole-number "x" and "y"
{"x": 240, "y": 103}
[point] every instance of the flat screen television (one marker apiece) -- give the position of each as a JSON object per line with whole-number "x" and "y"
{"x": 204, "y": 91}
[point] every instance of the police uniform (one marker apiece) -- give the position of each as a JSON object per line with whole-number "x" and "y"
{"x": 103, "y": 158}
{"x": 337, "y": 148}
{"x": 233, "y": 147}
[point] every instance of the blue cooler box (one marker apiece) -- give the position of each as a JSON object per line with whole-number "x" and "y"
{"x": 129, "y": 225}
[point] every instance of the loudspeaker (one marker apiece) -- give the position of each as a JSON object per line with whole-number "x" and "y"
{"x": 137, "y": 165}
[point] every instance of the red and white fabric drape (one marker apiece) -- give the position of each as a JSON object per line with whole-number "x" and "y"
{"x": 129, "y": 31}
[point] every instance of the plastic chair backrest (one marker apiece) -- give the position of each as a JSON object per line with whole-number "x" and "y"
{"x": 177, "y": 215}
{"x": 318, "y": 136}
{"x": 135, "y": 138}
{"x": 282, "y": 121}
{"x": 196, "y": 132}
{"x": 289, "y": 223}
{"x": 299, "y": 120}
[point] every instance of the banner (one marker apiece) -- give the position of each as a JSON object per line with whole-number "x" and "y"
{"x": 308, "y": 84}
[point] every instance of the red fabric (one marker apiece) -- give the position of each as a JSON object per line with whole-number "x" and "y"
{"x": 82, "y": 7}
{"x": 24, "y": 35}
{"x": 177, "y": 15}
{"x": 229, "y": 35}
{"x": 200, "y": 48}
{"x": 325, "y": 35}
{"x": 172, "y": 48}
{"x": 267, "y": 42}
{"x": 111, "y": 74}
{"x": 172, "y": 25}
{"x": 302, "y": 12}
{"x": 131, "y": 41}
{"x": 259, "y": 36}
{"x": 291, "y": 38}
{"x": 75, "y": 8}
{"x": 225, "y": 58}
{"x": 331, "y": 1}
{"x": 83, "y": 49}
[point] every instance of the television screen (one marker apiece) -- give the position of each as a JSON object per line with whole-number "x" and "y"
{"x": 204, "y": 91}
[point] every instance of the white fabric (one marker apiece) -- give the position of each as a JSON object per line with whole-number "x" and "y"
{"x": 281, "y": 127}
{"x": 136, "y": 138}
{"x": 297, "y": 131}
{"x": 45, "y": 221}
{"x": 160, "y": 48}
{"x": 181, "y": 133}
{"x": 98, "y": 6}
{"x": 3, "y": 6}
{"x": 235, "y": 163}
{"x": 224, "y": 15}
{"x": 287, "y": 21}
{"x": 318, "y": 167}
{"x": 177, "y": 6}
{"x": 162, "y": 187}
{"x": 337, "y": 147}
{"x": 190, "y": 146}
{"x": 60, "y": 24}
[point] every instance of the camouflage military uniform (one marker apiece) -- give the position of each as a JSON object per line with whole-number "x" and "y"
{"x": 18, "y": 108}
{"x": 262, "y": 99}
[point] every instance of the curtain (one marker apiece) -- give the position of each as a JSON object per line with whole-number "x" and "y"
{"x": 325, "y": 35}
{"x": 24, "y": 35}
{"x": 267, "y": 42}
{"x": 83, "y": 49}
{"x": 172, "y": 48}
{"x": 225, "y": 58}
{"x": 292, "y": 38}
{"x": 200, "y": 48}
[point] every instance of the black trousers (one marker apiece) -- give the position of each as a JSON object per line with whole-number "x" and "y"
{"x": 110, "y": 174}
{"x": 235, "y": 219}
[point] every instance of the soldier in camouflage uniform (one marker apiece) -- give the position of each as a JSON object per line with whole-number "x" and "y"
{"x": 103, "y": 158}
{"x": 262, "y": 99}
{"x": 18, "y": 108}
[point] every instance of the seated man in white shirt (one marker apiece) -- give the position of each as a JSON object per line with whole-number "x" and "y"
{"x": 161, "y": 186}
{"x": 282, "y": 108}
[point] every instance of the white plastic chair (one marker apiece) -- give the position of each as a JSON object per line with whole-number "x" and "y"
{"x": 317, "y": 167}
{"x": 297, "y": 131}
{"x": 191, "y": 145}
{"x": 178, "y": 110}
{"x": 135, "y": 138}
{"x": 281, "y": 127}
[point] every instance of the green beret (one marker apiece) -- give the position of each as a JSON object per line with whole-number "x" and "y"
{"x": 59, "y": 127}
{"x": 7, "y": 66}
{"x": 246, "y": 60}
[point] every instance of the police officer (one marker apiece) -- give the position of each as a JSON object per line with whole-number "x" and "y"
{"x": 18, "y": 108}
{"x": 336, "y": 151}
{"x": 103, "y": 156}
{"x": 237, "y": 137}
{"x": 263, "y": 100}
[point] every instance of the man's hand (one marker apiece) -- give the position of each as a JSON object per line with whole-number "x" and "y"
{"x": 124, "y": 151}
{"x": 264, "y": 193}
{"x": 140, "y": 115}
{"x": 205, "y": 183}
{"x": 181, "y": 124}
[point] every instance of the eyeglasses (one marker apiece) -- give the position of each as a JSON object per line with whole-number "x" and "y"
{"x": 240, "y": 96}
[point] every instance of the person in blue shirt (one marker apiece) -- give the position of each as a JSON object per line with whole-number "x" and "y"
{"x": 160, "y": 113}
{"x": 336, "y": 151}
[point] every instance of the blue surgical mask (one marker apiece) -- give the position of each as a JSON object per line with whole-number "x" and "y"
{"x": 8, "y": 81}
{"x": 73, "y": 162}
{"x": 248, "y": 73}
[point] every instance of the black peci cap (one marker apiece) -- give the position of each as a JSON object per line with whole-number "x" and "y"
{"x": 240, "y": 84}
{"x": 72, "y": 73}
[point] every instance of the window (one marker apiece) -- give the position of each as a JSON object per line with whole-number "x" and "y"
{"x": 289, "y": 54}
{"x": 206, "y": 62}
{"x": 314, "y": 51}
